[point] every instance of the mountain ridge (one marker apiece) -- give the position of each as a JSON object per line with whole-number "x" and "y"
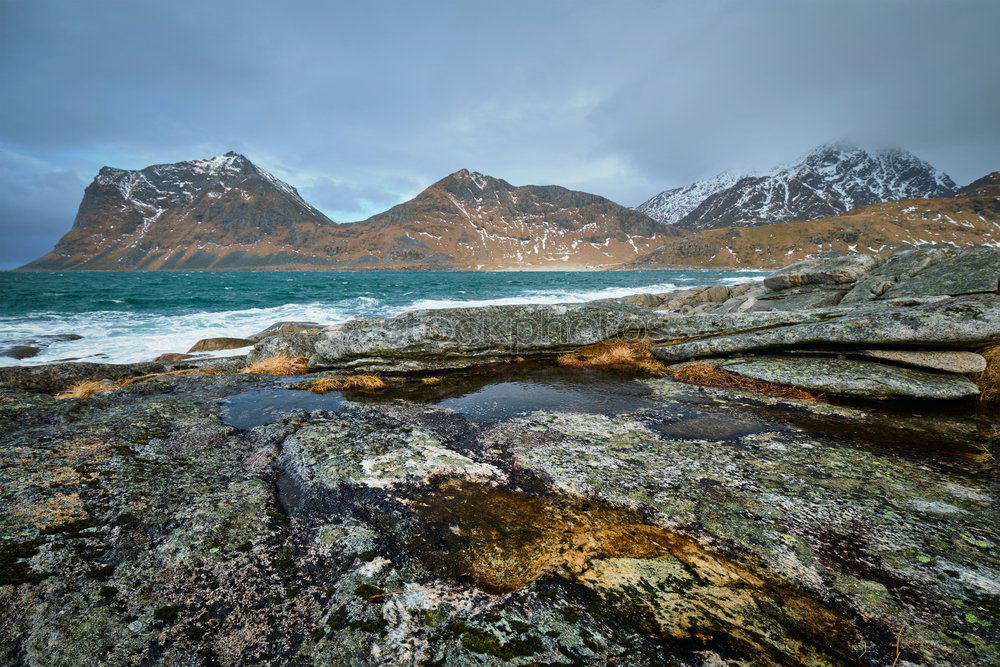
{"x": 226, "y": 213}
{"x": 831, "y": 179}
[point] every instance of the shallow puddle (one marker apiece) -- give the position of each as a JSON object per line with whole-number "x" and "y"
{"x": 263, "y": 406}
{"x": 710, "y": 427}
{"x": 545, "y": 389}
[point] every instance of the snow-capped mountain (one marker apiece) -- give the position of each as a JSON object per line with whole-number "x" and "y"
{"x": 671, "y": 205}
{"x": 225, "y": 213}
{"x": 970, "y": 217}
{"x": 831, "y": 180}
{"x": 178, "y": 215}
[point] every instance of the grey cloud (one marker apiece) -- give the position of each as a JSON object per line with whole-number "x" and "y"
{"x": 34, "y": 201}
{"x": 360, "y": 105}
{"x": 348, "y": 201}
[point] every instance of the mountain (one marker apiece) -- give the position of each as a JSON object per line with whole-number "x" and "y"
{"x": 471, "y": 220}
{"x": 225, "y": 213}
{"x": 831, "y": 180}
{"x": 970, "y": 217}
{"x": 671, "y": 205}
{"x": 220, "y": 213}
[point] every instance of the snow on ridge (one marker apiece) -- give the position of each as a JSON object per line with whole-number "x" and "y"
{"x": 176, "y": 184}
{"x": 671, "y": 205}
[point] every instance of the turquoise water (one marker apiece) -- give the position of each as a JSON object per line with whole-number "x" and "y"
{"x": 136, "y": 316}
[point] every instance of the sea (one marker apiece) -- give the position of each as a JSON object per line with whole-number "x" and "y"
{"x": 129, "y": 317}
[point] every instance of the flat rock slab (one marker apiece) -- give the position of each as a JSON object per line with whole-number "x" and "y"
{"x": 897, "y": 268}
{"x": 970, "y": 271}
{"x": 935, "y": 360}
{"x": 461, "y": 337}
{"x": 969, "y": 321}
{"x": 852, "y": 377}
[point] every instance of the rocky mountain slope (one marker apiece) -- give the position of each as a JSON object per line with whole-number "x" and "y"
{"x": 971, "y": 217}
{"x": 225, "y": 213}
{"x": 831, "y": 180}
{"x": 470, "y": 220}
{"x": 221, "y": 213}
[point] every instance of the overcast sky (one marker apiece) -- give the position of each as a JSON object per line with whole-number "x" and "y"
{"x": 362, "y": 104}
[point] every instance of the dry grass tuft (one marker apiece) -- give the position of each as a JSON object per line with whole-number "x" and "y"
{"x": 323, "y": 385}
{"x": 85, "y": 389}
{"x": 364, "y": 382}
{"x": 281, "y": 364}
{"x": 431, "y": 380}
{"x": 361, "y": 382}
{"x": 989, "y": 380}
{"x": 615, "y": 354}
{"x": 707, "y": 375}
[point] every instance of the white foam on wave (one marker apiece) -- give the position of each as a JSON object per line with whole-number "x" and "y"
{"x": 541, "y": 297}
{"x": 750, "y": 278}
{"x": 129, "y": 337}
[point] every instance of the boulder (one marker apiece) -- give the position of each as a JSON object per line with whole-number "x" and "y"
{"x": 743, "y": 300}
{"x": 717, "y": 293}
{"x": 837, "y": 270}
{"x": 969, "y": 271}
{"x": 222, "y": 343}
{"x": 961, "y": 322}
{"x": 20, "y": 351}
{"x": 25, "y": 348}
{"x": 852, "y": 377}
{"x": 643, "y": 300}
{"x": 170, "y": 357}
{"x": 285, "y": 328}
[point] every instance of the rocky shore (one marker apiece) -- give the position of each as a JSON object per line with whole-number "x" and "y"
{"x": 517, "y": 494}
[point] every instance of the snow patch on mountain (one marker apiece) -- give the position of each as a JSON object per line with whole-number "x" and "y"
{"x": 162, "y": 187}
{"x": 671, "y": 205}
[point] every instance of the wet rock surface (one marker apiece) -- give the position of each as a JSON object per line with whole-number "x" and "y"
{"x": 20, "y": 351}
{"x": 697, "y": 526}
